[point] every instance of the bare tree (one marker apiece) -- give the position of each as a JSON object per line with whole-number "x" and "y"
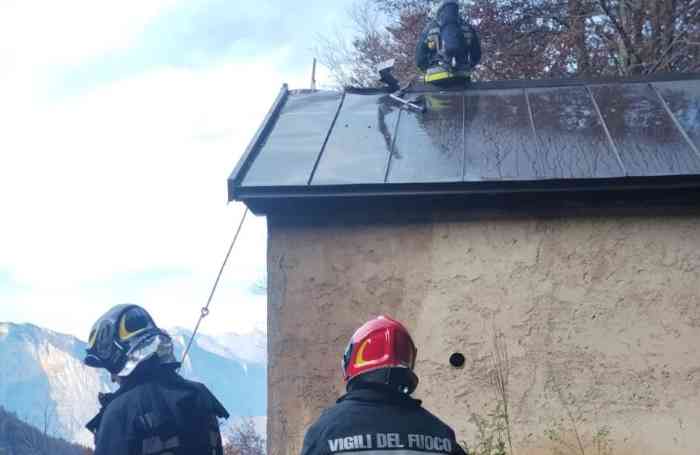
{"x": 653, "y": 35}
{"x": 244, "y": 439}
{"x": 36, "y": 441}
{"x": 352, "y": 54}
{"x": 527, "y": 39}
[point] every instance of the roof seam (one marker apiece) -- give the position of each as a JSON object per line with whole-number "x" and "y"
{"x": 676, "y": 122}
{"x": 530, "y": 113}
{"x": 535, "y": 136}
{"x": 325, "y": 141}
{"x": 607, "y": 131}
{"x": 464, "y": 136}
{"x": 393, "y": 146}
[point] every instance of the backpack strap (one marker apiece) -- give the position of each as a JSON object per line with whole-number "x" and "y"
{"x": 156, "y": 430}
{"x": 180, "y": 418}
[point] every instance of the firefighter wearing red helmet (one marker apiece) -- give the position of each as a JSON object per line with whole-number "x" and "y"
{"x": 378, "y": 414}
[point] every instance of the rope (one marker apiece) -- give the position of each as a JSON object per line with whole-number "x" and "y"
{"x": 205, "y": 309}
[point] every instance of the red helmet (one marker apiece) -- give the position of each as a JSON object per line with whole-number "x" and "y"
{"x": 381, "y": 343}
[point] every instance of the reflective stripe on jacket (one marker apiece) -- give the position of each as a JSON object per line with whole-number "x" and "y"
{"x": 376, "y": 421}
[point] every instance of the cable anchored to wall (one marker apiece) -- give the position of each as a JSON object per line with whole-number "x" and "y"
{"x": 205, "y": 309}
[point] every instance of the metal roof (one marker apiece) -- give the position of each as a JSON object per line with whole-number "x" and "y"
{"x": 554, "y": 137}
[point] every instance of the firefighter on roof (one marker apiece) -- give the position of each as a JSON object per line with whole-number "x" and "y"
{"x": 155, "y": 411}
{"x": 378, "y": 415}
{"x": 449, "y": 47}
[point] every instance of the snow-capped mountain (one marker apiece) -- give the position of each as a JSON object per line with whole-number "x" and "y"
{"x": 247, "y": 348}
{"x": 239, "y": 383}
{"x": 43, "y": 380}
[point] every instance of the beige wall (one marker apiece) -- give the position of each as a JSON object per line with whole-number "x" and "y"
{"x": 600, "y": 316}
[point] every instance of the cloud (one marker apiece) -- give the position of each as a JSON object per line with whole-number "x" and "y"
{"x": 6, "y": 283}
{"x": 113, "y": 189}
{"x": 129, "y": 179}
{"x": 196, "y": 34}
{"x": 37, "y": 33}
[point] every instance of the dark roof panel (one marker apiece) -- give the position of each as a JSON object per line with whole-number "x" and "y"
{"x": 430, "y": 147}
{"x": 572, "y": 140}
{"x": 683, "y": 100}
{"x": 289, "y": 153}
{"x": 560, "y": 137}
{"x": 646, "y": 137}
{"x": 500, "y": 140}
{"x": 359, "y": 146}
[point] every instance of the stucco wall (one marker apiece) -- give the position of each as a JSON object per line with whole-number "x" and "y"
{"x": 600, "y": 316}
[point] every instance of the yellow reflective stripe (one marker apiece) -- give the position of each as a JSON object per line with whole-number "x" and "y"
{"x": 360, "y": 360}
{"x": 437, "y": 76}
{"x": 124, "y": 334}
{"x": 442, "y": 75}
{"x": 91, "y": 340}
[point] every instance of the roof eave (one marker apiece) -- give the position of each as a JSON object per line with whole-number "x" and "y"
{"x": 632, "y": 191}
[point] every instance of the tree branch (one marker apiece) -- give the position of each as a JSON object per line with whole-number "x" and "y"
{"x": 627, "y": 41}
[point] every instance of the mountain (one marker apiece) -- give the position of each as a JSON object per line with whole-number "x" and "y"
{"x": 239, "y": 383}
{"x": 43, "y": 378}
{"x": 248, "y": 348}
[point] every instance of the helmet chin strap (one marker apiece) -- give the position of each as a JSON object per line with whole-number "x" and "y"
{"x": 403, "y": 388}
{"x": 400, "y": 387}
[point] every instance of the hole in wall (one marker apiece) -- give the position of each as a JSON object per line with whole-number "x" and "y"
{"x": 457, "y": 360}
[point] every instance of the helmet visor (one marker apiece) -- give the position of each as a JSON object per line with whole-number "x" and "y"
{"x": 405, "y": 351}
{"x": 93, "y": 361}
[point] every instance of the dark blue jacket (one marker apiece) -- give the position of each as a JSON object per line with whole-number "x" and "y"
{"x": 373, "y": 420}
{"x": 157, "y": 411}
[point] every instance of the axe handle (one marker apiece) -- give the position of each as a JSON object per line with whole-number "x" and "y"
{"x": 408, "y": 104}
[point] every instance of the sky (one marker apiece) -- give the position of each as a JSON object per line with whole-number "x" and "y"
{"x": 119, "y": 125}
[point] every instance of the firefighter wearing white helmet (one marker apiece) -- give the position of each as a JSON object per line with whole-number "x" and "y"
{"x": 449, "y": 47}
